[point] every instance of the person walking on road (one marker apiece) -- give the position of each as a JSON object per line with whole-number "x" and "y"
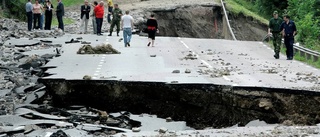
{"x": 152, "y": 25}
{"x": 48, "y": 13}
{"x": 289, "y": 30}
{"x": 99, "y": 11}
{"x": 116, "y": 18}
{"x": 85, "y": 10}
{"x": 60, "y": 14}
{"x": 274, "y": 30}
{"x": 110, "y": 8}
{"x": 37, "y": 11}
{"x": 29, "y": 8}
{"x": 93, "y": 15}
{"x": 127, "y": 26}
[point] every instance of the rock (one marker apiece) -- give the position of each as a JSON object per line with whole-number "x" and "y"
{"x": 176, "y": 71}
{"x": 87, "y": 77}
{"x": 163, "y": 130}
{"x": 187, "y": 71}
{"x": 168, "y": 119}
{"x": 153, "y": 55}
{"x": 266, "y": 104}
{"x": 136, "y": 129}
{"x": 287, "y": 123}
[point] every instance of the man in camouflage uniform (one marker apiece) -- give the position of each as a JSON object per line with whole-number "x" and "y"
{"x": 274, "y": 30}
{"x": 116, "y": 18}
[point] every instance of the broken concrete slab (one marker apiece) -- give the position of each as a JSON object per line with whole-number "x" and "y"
{"x": 23, "y": 42}
{"x": 24, "y": 111}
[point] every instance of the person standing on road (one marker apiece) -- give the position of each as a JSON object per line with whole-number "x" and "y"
{"x": 289, "y": 30}
{"x": 48, "y": 13}
{"x": 85, "y": 10}
{"x": 29, "y": 8}
{"x": 60, "y": 14}
{"x": 37, "y": 9}
{"x": 99, "y": 11}
{"x": 127, "y": 26}
{"x": 116, "y": 18}
{"x": 93, "y": 15}
{"x": 110, "y": 8}
{"x": 274, "y": 30}
{"x": 152, "y": 25}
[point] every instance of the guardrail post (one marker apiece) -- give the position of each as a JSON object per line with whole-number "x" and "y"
{"x": 308, "y": 56}
{"x": 302, "y": 53}
{"x": 296, "y": 50}
{"x": 315, "y": 58}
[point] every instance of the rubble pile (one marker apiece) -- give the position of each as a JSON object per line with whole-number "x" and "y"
{"x": 100, "y": 49}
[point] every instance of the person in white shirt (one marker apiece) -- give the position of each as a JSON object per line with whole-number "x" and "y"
{"x": 127, "y": 26}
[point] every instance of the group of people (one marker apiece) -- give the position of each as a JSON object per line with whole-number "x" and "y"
{"x": 43, "y": 9}
{"x": 282, "y": 28}
{"x": 124, "y": 22}
{"x": 39, "y": 9}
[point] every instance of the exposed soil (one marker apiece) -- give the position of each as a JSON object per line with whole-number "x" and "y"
{"x": 200, "y": 105}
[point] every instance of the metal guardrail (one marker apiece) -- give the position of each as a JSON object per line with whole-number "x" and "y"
{"x": 304, "y": 52}
{"x": 228, "y": 22}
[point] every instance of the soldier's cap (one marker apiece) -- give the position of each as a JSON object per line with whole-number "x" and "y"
{"x": 275, "y": 12}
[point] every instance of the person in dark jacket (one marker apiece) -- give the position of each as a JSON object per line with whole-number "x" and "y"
{"x": 60, "y": 14}
{"x": 85, "y": 10}
{"x": 289, "y": 30}
{"x": 48, "y": 13}
{"x": 152, "y": 25}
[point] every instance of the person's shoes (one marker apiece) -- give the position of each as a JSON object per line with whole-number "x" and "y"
{"x": 276, "y": 56}
{"x": 118, "y": 35}
{"x": 149, "y": 44}
{"x": 290, "y": 58}
{"x": 109, "y": 35}
{"x": 128, "y": 44}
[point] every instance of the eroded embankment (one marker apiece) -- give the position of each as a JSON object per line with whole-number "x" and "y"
{"x": 204, "y": 21}
{"x": 200, "y": 105}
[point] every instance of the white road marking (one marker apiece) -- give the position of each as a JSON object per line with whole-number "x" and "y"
{"x": 226, "y": 78}
{"x": 234, "y": 85}
{"x": 260, "y": 43}
{"x": 98, "y": 68}
{"x": 95, "y": 74}
{"x": 315, "y": 69}
{"x": 185, "y": 44}
{"x": 206, "y": 63}
{"x": 264, "y": 45}
{"x": 301, "y": 64}
{"x": 99, "y": 65}
{"x": 269, "y": 48}
{"x": 102, "y": 60}
{"x": 104, "y": 55}
{"x": 97, "y": 71}
{"x": 94, "y": 77}
{"x": 179, "y": 38}
{"x": 308, "y": 66}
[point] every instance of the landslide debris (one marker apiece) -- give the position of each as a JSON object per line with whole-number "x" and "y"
{"x": 100, "y": 49}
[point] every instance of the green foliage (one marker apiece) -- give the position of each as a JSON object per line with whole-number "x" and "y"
{"x": 236, "y": 8}
{"x": 306, "y": 15}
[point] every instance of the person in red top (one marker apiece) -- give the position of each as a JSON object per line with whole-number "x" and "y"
{"x": 152, "y": 25}
{"x": 99, "y": 11}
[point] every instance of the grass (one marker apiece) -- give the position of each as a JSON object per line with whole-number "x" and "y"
{"x": 68, "y": 3}
{"x": 237, "y": 9}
